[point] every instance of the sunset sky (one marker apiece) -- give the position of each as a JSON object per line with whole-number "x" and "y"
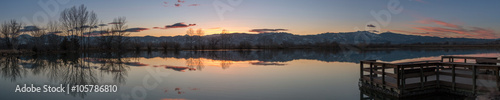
{"x": 443, "y": 18}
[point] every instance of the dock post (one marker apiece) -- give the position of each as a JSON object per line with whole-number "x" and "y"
{"x": 421, "y": 77}
{"x": 453, "y": 77}
{"x": 403, "y": 84}
{"x": 361, "y": 70}
{"x": 371, "y": 73}
{"x": 474, "y": 77}
{"x": 437, "y": 75}
{"x": 498, "y": 77}
{"x": 383, "y": 76}
{"x": 397, "y": 72}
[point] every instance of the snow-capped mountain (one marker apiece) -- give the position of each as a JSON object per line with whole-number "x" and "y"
{"x": 343, "y": 38}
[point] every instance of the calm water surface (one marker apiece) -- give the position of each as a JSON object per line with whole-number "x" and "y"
{"x": 195, "y": 75}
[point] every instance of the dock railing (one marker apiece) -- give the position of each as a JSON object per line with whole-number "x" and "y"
{"x": 459, "y": 74}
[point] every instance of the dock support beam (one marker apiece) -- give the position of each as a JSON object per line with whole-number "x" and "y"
{"x": 361, "y": 70}
{"x": 383, "y": 76}
{"x": 474, "y": 77}
{"x": 453, "y": 77}
{"x": 371, "y": 73}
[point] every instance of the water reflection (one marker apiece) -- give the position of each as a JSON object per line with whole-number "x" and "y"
{"x": 95, "y": 68}
{"x": 11, "y": 69}
{"x": 178, "y": 68}
{"x": 67, "y": 69}
{"x": 195, "y": 62}
{"x": 368, "y": 94}
{"x": 267, "y": 63}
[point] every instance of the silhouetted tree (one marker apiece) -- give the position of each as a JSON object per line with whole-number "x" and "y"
{"x": 64, "y": 44}
{"x": 77, "y": 21}
{"x": 245, "y": 45}
{"x": 200, "y": 44}
{"x": 164, "y": 45}
{"x": 190, "y": 38}
{"x": 37, "y": 41}
{"x": 119, "y": 32}
{"x": 213, "y": 42}
{"x": 10, "y": 30}
{"x": 53, "y": 39}
{"x": 115, "y": 38}
{"x": 225, "y": 39}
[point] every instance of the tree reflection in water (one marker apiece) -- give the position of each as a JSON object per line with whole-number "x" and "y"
{"x": 11, "y": 69}
{"x": 195, "y": 62}
{"x": 66, "y": 69}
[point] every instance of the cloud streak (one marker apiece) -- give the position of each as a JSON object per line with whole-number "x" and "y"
{"x": 267, "y": 30}
{"x": 176, "y": 25}
{"x": 433, "y": 21}
{"x": 445, "y": 29}
{"x": 136, "y": 29}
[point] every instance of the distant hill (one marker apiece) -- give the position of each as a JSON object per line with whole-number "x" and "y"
{"x": 282, "y": 37}
{"x": 344, "y": 38}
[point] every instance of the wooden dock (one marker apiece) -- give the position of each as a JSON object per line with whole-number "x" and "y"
{"x": 468, "y": 76}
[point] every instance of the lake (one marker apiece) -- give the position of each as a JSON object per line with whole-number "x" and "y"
{"x": 206, "y": 75}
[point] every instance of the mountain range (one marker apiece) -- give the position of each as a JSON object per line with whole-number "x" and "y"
{"x": 344, "y": 38}
{"x": 282, "y": 37}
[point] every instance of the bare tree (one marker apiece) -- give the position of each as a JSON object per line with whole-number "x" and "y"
{"x": 190, "y": 33}
{"x": 76, "y": 21}
{"x": 200, "y": 32}
{"x": 37, "y": 41}
{"x": 115, "y": 37}
{"x": 10, "y": 30}
{"x": 118, "y": 31}
{"x": 225, "y": 39}
{"x": 91, "y": 26}
{"x": 199, "y": 41}
{"x": 53, "y": 40}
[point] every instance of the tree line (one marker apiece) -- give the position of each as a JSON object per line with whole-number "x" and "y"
{"x": 79, "y": 29}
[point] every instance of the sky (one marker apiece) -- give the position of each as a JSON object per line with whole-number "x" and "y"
{"x": 442, "y": 18}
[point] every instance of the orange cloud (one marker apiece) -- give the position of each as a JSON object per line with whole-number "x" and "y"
{"x": 416, "y": 33}
{"x": 446, "y": 29}
{"x": 433, "y": 21}
{"x": 475, "y": 32}
{"x": 267, "y": 30}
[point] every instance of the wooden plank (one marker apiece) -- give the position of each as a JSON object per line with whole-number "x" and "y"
{"x": 380, "y": 82}
{"x": 393, "y": 85}
{"x": 467, "y": 64}
{"x": 418, "y": 85}
{"x": 456, "y": 74}
{"x": 467, "y": 57}
{"x": 361, "y": 69}
{"x": 413, "y": 75}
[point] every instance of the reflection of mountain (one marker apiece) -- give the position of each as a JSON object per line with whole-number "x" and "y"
{"x": 289, "y": 55}
{"x": 267, "y": 63}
